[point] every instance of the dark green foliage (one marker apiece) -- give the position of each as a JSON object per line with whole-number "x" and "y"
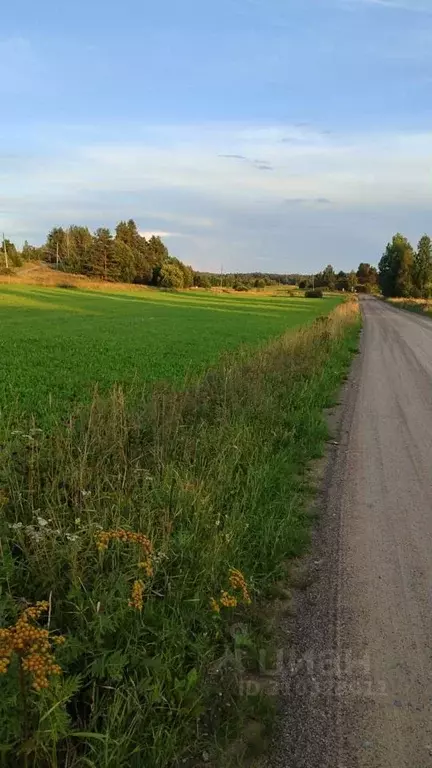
{"x": 367, "y": 275}
{"x": 9, "y": 254}
{"x": 170, "y": 276}
{"x": 396, "y": 268}
{"x": 328, "y": 278}
{"x": 315, "y": 293}
{"x": 422, "y": 269}
{"x": 127, "y": 257}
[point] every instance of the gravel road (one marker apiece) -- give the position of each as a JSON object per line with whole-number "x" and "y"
{"x": 356, "y": 676}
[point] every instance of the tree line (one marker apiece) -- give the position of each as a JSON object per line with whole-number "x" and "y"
{"x": 125, "y": 256}
{"x": 364, "y": 280}
{"x": 405, "y": 272}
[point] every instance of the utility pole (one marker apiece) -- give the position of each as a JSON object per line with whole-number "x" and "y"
{"x": 221, "y": 279}
{"x": 57, "y": 256}
{"x": 313, "y": 282}
{"x": 5, "y": 253}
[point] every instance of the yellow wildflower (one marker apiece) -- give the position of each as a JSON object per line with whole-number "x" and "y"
{"x": 237, "y": 581}
{"x": 137, "y": 600}
{"x": 32, "y": 645}
{"x": 214, "y": 605}
{"x": 227, "y": 600}
{"x": 147, "y": 567}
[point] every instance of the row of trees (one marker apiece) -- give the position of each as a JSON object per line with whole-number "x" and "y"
{"x": 364, "y": 279}
{"x": 406, "y": 272}
{"x": 125, "y": 256}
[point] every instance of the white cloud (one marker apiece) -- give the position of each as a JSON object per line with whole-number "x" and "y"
{"x": 152, "y": 233}
{"x": 176, "y": 183}
{"x": 349, "y": 170}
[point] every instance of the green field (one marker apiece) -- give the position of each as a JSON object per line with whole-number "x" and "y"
{"x": 57, "y": 344}
{"x": 151, "y": 528}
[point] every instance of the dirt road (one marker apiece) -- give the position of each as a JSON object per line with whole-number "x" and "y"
{"x": 357, "y": 670}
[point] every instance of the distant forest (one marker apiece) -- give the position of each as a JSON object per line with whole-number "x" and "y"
{"x": 127, "y": 256}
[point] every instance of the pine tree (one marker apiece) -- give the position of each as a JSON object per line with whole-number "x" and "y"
{"x": 56, "y": 246}
{"x": 79, "y": 245}
{"x": 102, "y": 254}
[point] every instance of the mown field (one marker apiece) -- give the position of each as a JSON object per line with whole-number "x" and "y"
{"x": 57, "y": 344}
{"x": 144, "y": 541}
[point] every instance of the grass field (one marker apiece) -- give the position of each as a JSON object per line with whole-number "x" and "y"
{"x": 156, "y": 525}
{"x": 57, "y": 344}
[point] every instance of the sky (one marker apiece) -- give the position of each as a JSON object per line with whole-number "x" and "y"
{"x": 253, "y": 135}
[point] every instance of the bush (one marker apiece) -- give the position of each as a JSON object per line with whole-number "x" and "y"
{"x": 316, "y": 293}
{"x": 67, "y": 286}
{"x": 171, "y": 276}
{"x": 240, "y": 287}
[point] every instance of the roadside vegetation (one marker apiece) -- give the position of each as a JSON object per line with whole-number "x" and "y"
{"x": 420, "y": 306}
{"x": 139, "y": 531}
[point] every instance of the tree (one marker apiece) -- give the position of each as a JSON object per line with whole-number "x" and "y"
{"x": 171, "y": 276}
{"x": 395, "y": 268}
{"x": 102, "y": 255}
{"x": 123, "y": 264}
{"x": 56, "y": 246}
{"x": 366, "y": 274}
{"x": 13, "y": 257}
{"x": 201, "y": 280}
{"x": 329, "y": 277}
{"x": 352, "y": 281}
{"x": 79, "y": 241}
{"x": 422, "y": 269}
{"x": 31, "y": 253}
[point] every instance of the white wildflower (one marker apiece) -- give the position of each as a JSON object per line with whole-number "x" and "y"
{"x": 77, "y": 520}
{"x": 71, "y": 536}
{"x": 42, "y": 522}
{"x": 16, "y": 526}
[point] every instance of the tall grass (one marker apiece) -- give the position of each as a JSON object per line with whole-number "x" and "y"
{"x": 213, "y": 477}
{"x": 421, "y": 306}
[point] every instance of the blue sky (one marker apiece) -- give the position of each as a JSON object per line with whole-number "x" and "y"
{"x": 273, "y": 135}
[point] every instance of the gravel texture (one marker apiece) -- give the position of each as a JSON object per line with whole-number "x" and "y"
{"x": 356, "y": 667}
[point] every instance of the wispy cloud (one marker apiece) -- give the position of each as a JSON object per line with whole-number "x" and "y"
{"x": 260, "y": 165}
{"x": 307, "y": 201}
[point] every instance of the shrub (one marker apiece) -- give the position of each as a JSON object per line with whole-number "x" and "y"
{"x": 67, "y": 286}
{"x": 171, "y": 276}
{"x": 316, "y": 293}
